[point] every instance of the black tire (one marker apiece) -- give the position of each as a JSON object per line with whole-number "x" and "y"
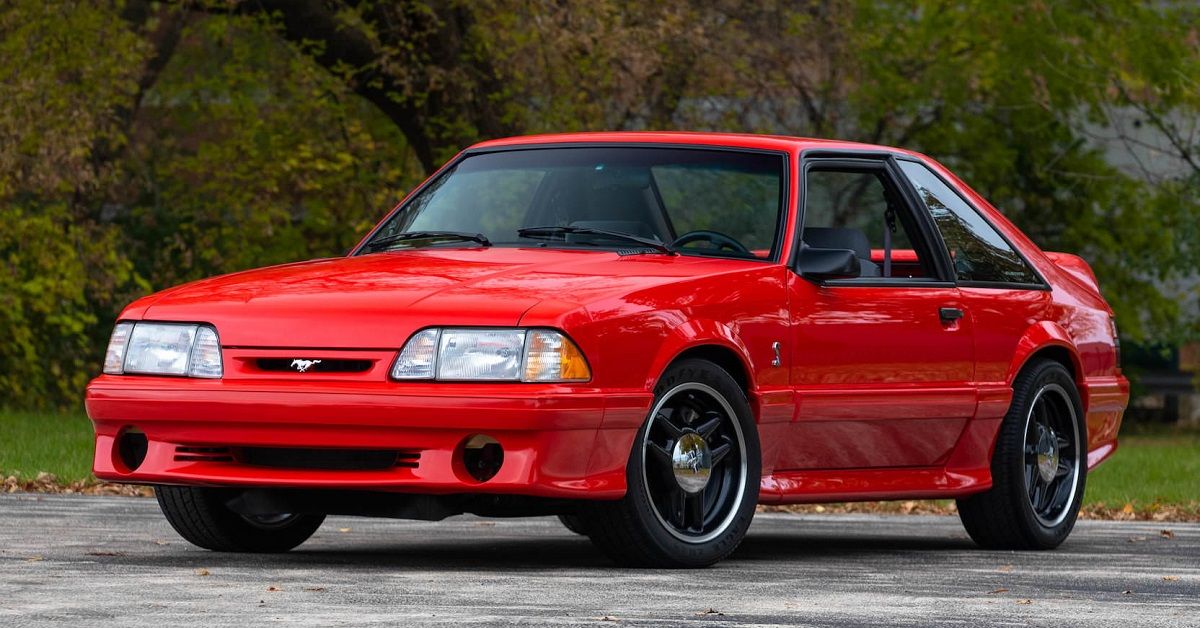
{"x": 1009, "y": 515}
{"x": 574, "y": 523}
{"x": 631, "y": 531}
{"x": 200, "y": 516}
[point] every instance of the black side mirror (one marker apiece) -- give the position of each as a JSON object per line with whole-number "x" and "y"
{"x": 821, "y": 264}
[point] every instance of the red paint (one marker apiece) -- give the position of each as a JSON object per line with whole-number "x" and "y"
{"x": 875, "y": 396}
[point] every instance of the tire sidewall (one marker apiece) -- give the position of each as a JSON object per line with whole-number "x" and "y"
{"x": 682, "y": 552}
{"x": 1043, "y": 374}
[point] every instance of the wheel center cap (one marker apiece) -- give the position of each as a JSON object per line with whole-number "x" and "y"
{"x": 1047, "y": 454}
{"x": 691, "y": 461}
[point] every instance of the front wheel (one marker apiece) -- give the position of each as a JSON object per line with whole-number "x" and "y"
{"x": 692, "y": 477}
{"x": 201, "y": 517}
{"x": 1039, "y": 466}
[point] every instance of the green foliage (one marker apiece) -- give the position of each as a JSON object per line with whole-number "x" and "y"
{"x": 143, "y": 144}
{"x": 58, "y": 285}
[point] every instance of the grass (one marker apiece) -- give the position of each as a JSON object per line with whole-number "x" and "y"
{"x": 1148, "y": 470}
{"x": 34, "y": 442}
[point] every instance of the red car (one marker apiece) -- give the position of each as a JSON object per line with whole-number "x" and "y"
{"x": 646, "y": 334}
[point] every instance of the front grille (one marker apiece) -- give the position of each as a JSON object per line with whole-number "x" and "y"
{"x": 329, "y": 459}
{"x": 184, "y": 453}
{"x": 318, "y": 365}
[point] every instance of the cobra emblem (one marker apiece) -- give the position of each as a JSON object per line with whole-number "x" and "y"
{"x": 303, "y": 365}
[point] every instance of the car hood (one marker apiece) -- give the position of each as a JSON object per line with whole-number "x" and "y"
{"x": 379, "y": 300}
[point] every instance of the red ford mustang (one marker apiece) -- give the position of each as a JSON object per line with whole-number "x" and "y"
{"x": 646, "y": 334}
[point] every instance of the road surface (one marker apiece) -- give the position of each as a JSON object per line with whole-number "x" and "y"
{"x": 104, "y": 561}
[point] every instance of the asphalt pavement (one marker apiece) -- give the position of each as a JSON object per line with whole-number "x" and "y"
{"x": 114, "y": 561}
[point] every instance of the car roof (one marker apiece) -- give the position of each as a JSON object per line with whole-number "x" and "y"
{"x": 728, "y": 140}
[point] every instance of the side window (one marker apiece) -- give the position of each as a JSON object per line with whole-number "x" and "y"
{"x": 978, "y": 251}
{"x": 857, "y": 210}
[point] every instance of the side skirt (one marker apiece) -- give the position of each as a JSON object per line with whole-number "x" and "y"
{"x": 848, "y": 485}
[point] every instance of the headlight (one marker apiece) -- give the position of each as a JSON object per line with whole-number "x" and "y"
{"x": 164, "y": 349}
{"x": 533, "y": 355}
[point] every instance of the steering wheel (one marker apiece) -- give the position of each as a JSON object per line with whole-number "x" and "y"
{"x": 718, "y": 240}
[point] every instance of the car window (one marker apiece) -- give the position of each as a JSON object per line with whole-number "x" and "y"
{"x": 722, "y": 203}
{"x": 856, "y": 210}
{"x": 978, "y": 251}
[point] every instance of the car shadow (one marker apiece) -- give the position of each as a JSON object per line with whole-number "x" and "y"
{"x": 527, "y": 552}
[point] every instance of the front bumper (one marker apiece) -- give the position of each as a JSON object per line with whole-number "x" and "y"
{"x": 558, "y": 441}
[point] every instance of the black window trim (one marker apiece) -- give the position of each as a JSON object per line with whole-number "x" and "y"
{"x": 885, "y": 162}
{"x": 1042, "y": 284}
{"x": 784, "y": 187}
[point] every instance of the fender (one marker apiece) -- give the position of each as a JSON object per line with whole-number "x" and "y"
{"x": 1041, "y": 335}
{"x": 696, "y": 333}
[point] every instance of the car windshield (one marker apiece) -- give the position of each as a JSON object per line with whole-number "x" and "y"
{"x": 714, "y": 202}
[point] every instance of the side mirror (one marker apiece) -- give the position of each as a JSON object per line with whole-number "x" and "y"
{"x": 821, "y": 264}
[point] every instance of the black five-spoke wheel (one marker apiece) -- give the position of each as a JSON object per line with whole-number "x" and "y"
{"x": 1052, "y": 456}
{"x": 694, "y": 463}
{"x": 1039, "y": 466}
{"x": 693, "y": 475}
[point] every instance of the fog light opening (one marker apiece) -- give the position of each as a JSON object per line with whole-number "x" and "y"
{"x": 131, "y": 448}
{"x": 482, "y": 457}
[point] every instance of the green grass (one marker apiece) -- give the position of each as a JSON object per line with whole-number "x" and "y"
{"x": 1163, "y": 469}
{"x": 32, "y": 442}
{"x": 1146, "y": 470}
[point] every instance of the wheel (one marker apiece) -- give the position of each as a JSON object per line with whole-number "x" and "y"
{"x": 1039, "y": 466}
{"x": 692, "y": 477}
{"x": 574, "y": 523}
{"x": 200, "y": 516}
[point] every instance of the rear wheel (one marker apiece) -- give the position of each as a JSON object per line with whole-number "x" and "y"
{"x": 1039, "y": 467}
{"x": 201, "y": 517}
{"x": 692, "y": 477}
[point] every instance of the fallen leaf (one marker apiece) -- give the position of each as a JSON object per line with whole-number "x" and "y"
{"x": 34, "y": 559}
{"x": 273, "y": 588}
{"x": 106, "y": 553}
{"x": 711, "y": 611}
{"x": 1171, "y": 578}
{"x": 995, "y": 591}
{"x": 1127, "y": 592}
{"x": 1024, "y": 602}
{"x": 1005, "y": 569}
{"x": 160, "y": 542}
{"x": 343, "y": 530}
{"x": 1166, "y": 534}
{"x": 1128, "y": 509}
{"x": 314, "y": 589}
{"x": 202, "y": 572}
{"x": 1136, "y": 539}
{"x": 819, "y": 508}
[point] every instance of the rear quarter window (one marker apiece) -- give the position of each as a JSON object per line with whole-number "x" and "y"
{"x": 979, "y": 252}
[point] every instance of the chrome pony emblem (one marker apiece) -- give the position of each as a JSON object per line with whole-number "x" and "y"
{"x": 303, "y": 365}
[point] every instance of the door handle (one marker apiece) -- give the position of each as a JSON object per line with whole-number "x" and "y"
{"x": 950, "y": 314}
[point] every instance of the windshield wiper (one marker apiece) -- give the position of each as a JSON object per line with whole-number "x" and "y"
{"x": 429, "y": 235}
{"x": 542, "y": 232}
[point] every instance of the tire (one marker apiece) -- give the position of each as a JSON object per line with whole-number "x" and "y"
{"x": 574, "y": 523}
{"x": 1011, "y": 515}
{"x": 200, "y": 516}
{"x": 682, "y": 517}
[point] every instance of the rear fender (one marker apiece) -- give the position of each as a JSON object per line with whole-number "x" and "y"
{"x": 1039, "y": 336}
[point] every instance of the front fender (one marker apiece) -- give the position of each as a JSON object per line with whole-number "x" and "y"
{"x": 698, "y": 333}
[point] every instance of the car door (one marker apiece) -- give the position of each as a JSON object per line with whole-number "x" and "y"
{"x": 883, "y": 363}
